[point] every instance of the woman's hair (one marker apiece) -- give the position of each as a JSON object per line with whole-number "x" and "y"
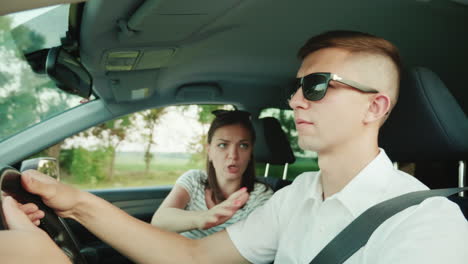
{"x": 226, "y": 118}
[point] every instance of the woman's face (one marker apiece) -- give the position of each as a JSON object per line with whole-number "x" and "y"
{"x": 230, "y": 151}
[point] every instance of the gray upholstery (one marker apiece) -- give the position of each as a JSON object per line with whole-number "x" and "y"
{"x": 427, "y": 122}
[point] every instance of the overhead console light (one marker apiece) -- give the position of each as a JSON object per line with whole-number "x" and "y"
{"x": 141, "y": 59}
{"x": 121, "y": 60}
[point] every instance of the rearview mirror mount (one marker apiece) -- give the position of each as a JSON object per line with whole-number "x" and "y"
{"x": 68, "y": 73}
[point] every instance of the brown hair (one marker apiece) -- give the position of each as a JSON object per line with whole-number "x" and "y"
{"x": 226, "y": 118}
{"x": 355, "y": 42}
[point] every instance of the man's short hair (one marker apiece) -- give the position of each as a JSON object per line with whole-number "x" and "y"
{"x": 355, "y": 42}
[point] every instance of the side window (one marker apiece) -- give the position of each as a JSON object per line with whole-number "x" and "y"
{"x": 149, "y": 148}
{"x": 305, "y": 160}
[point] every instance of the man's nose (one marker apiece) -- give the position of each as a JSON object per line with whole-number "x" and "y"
{"x": 298, "y": 100}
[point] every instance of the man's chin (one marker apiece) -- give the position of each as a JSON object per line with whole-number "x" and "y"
{"x": 309, "y": 145}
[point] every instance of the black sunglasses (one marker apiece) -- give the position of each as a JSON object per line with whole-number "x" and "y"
{"x": 315, "y": 85}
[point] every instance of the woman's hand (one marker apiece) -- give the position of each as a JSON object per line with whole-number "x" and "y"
{"x": 225, "y": 210}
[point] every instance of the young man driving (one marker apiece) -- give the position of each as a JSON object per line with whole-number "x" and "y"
{"x": 347, "y": 86}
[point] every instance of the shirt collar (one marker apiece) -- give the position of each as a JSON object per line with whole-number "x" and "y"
{"x": 369, "y": 185}
{"x": 364, "y": 190}
{"x": 316, "y": 188}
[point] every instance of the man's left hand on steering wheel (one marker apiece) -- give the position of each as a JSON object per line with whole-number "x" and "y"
{"x": 24, "y": 187}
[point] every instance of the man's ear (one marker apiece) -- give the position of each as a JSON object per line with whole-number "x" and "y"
{"x": 379, "y": 107}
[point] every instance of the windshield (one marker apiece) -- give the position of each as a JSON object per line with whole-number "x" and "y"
{"x": 26, "y": 97}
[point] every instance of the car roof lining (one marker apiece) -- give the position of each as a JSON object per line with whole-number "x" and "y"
{"x": 237, "y": 41}
{"x": 250, "y": 54}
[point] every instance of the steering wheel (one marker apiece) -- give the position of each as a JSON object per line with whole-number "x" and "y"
{"x": 54, "y": 226}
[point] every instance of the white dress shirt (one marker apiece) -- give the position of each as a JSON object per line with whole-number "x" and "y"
{"x": 295, "y": 224}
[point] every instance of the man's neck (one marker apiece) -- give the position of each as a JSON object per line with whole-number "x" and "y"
{"x": 340, "y": 165}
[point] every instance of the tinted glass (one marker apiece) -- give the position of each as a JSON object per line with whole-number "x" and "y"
{"x": 315, "y": 87}
{"x": 26, "y": 97}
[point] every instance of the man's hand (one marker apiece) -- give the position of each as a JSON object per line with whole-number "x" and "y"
{"x": 32, "y": 242}
{"x": 60, "y": 197}
{"x": 225, "y": 210}
{"x": 15, "y": 215}
{"x": 30, "y": 209}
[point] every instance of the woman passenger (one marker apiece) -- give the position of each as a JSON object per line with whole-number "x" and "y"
{"x": 201, "y": 203}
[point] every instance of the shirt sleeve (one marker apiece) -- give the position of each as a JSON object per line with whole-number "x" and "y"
{"x": 256, "y": 238}
{"x": 261, "y": 194}
{"x": 433, "y": 232}
{"x": 189, "y": 181}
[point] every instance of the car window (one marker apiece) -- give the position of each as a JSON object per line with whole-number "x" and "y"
{"x": 148, "y": 148}
{"x": 305, "y": 160}
{"x": 28, "y": 97}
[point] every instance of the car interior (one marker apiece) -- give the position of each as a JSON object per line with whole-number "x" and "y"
{"x": 145, "y": 54}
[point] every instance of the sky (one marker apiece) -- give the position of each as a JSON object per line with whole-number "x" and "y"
{"x": 24, "y": 16}
{"x": 174, "y": 133}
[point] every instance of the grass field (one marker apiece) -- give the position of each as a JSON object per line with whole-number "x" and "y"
{"x": 166, "y": 168}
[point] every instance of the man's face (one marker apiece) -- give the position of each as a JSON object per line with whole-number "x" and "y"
{"x": 337, "y": 118}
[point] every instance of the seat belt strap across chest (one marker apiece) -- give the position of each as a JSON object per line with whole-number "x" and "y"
{"x": 358, "y": 232}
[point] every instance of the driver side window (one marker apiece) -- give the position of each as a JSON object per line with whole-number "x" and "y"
{"x": 149, "y": 148}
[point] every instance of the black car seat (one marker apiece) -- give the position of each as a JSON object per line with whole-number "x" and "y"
{"x": 428, "y": 126}
{"x": 272, "y": 147}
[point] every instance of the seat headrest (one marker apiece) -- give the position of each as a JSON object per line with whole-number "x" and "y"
{"x": 272, "y": 146}
{"x": 427, "y": 123}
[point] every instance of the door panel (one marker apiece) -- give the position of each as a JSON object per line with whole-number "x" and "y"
{"x": 138, "y": 202}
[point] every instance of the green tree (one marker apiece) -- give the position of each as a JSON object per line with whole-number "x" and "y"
{"x": 286, "y": 119}
{"x": 21, "y": 103}
{"x": 88, "y": 166}
{"x": 151, "y": 118}
{"x": 5, "y": 26}
{"x": 110, "y": 135}
{"x": 27, "y": 40}
{"x": 16, "y": 97}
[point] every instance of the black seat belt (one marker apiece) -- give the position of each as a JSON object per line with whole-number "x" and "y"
{"x": 358, "y": 232}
